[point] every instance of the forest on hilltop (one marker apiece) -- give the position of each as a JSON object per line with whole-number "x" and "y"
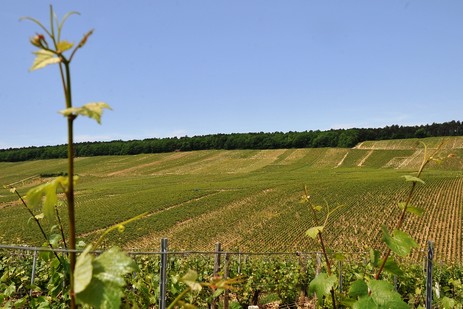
{"x": 343, "y": 138}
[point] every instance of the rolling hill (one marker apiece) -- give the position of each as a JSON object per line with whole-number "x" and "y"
{"x": 249, "y": 199}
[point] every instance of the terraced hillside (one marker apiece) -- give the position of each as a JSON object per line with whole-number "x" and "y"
{"x": 249, "y": 199}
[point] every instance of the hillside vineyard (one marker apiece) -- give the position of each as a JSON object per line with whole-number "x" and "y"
{"x": 249, "y": 199}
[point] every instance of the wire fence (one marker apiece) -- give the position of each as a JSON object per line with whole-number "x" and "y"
{"x": 165, "y": 264}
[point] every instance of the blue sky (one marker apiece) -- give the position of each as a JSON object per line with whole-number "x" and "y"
{"x": 196, "y": 67}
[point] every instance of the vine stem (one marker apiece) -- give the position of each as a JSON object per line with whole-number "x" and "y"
{"x": 70, "y": 190}
{"x": 328, "y": 265}
{"x": 425, "y": 162}
{"x": 60, "y": 224}
{"x": 38, "y": 224}
{"x": 322, "y": 244}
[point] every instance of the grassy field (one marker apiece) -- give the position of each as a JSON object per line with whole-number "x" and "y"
{"x": 249, "y": 199}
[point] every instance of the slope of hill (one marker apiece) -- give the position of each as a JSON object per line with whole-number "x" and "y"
{"x": 448, "y": 143}
{"x": 249, "y": 199}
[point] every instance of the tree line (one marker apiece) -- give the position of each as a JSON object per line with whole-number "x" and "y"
{"x": 344, "y": 138}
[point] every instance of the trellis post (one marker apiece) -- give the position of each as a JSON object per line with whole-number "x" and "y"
{"x": 429, "y": 275}
{"x": 163, "y": 274}
{"x": 218, "y": 249}
{"x": 34, "y": 266}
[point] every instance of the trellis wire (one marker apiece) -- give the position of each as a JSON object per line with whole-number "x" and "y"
{"x": 163, "y": 253}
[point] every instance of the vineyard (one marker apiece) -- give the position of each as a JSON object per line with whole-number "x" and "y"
{"x": 272, "y": 278}
{"x": 249, "y": 199}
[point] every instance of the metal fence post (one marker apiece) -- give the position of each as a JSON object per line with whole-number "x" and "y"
{"x": 163, "y": 274}
{"x": 429, "y": 275}
{"x": 239, "y": 262}
{"x": 225, "y": 276}
{"x": 340, "y": 276}
{"x": 218, "y": 249}
{"x": 34, "y": 266}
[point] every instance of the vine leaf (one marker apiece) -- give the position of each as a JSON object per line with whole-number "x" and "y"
{"x": 374, "y": 257}
{"x": 448, "y": 302}
{"x": 413, "y": 179}
{"x": 64, "y": 46}
{"x": 399, "y": 242}
{"x": 322, "y": 285}
{"x": 191, "y": 279}
{"x": 10, "y": 290}
{"x": 107, "y": 280}
{"x": 358, "y": 289}
{"x": 365, "y": 302}
{"x": 384, "y": 295}
{"x": 392, "y": 267}
{"x": 43, "y": 58}
{"x": 412, "y": 209}
{"x": 313, "y": 231}
{"x": 92, "y": 110}
{"x": 83, "y": 271}
{"x": 47, "y": 193}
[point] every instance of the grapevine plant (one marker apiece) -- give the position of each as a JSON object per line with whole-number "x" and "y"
{"x": 94, "y": 281}
{"x": 369, "y": 290}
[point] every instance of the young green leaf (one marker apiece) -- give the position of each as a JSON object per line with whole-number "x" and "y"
{"x": 43, "y": 58}
{"x": 313, "y": 231}
{"x": 392, "y": 267}
{"x": 64, "y": 46}
{"x": 105, "y": 287}
{"x": 191, "y": 279}
{"x": 365, "y": 302}
{"x": 47, "y": 191}
{"x": 322, "y": 285}
{"x": 358, "y": 288}
{"x": 399, "y": 242}
{"x": 92, "y": 110}
{"x": 10, "y": 290}
{"x": 384, "y": 295}
{"x": 83, "y": 271}
{"x": 411, "y": 209}
{"x": 448, "y": 302}
{"x": 413, "y": 179}
{"x": 374, "y": 257}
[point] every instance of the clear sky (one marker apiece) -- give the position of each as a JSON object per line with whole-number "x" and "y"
{"x": 196, "y": 67}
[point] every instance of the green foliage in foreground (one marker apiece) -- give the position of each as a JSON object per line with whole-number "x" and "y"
{"x": 263, "y": 278}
